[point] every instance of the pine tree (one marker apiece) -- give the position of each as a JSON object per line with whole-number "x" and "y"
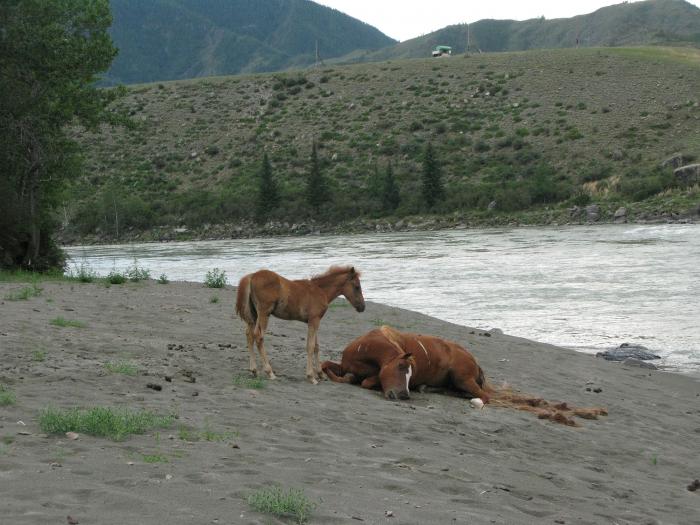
{"x": 317, "y": 193}
{"x": 390, "y": 191}
{"x": 433, "y": 190}
{"x": 268, "y": 194}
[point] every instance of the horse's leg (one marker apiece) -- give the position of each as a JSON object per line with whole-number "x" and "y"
{"x": 371, "y": 383}
{"x": 467, "y": 384}
{"x": 310, "y": 346}
{"x": 253, "y": 367}
{"x": 317, "y": 363}
{"x": 259, "y": 334}
{"x": 335, "y": 373}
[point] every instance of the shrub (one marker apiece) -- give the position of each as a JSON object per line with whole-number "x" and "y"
{"x": 163, "y": 279}
{"x": 7, "y": 397}
{"x": 136, "y": 273}
{"x": 114, "y": 277}
{"x": 215, "y": 278}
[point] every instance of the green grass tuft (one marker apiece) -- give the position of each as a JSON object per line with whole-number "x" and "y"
{"x": 24, "y": 293}
{"x": 39, "y": 356}
{"x": 114, "y": 423}
{"x": 247, "y": 381}
{"x": 7, "y": 396}
{"x": 283, "y": 503}
{"x": 163, "y": 279}
{"x": 122, "y": 367}
{"x": 154, "y": 458}
{"x": 67, "y": 323}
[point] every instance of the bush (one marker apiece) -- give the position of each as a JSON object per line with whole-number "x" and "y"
{"x": 114, "y": 277}
{"x": 215, "y": 278}
{"x": 135, "y": 273}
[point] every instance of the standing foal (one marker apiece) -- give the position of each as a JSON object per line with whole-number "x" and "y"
{"x": 265, "y": 293}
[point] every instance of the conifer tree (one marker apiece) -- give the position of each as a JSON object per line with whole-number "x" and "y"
{"x": 268, "y": 194}
{"x": 433, "y": 190}
{"x": 317, "y": 192}
{"x": 390, "y": 191}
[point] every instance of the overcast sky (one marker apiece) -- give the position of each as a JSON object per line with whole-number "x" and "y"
{"x": 406, "y": 19}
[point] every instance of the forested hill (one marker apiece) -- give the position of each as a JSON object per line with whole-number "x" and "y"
{"x": 175, "y": 39}
{"x": 651, "y": 22}
{"x": 540, "y": 131}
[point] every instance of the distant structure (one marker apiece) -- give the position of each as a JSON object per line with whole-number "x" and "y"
{"x": 442, "y": 51}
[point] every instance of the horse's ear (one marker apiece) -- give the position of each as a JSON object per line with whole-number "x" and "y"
{"x": 352, "y": 270}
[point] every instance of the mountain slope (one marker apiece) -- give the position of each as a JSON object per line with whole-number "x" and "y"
{"x": 638, "y": 23}
{"x": 175, "y": 39}
{"x": 536, "y": 130}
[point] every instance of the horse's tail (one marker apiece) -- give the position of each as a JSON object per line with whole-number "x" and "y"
{"x": 559, "y": 412}
{"x": 244, "y": 305}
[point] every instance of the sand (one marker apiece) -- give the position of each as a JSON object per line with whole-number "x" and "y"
{"x": 431, "y": 459}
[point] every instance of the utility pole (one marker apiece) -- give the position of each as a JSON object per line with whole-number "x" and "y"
{"x": 467, "y": 52}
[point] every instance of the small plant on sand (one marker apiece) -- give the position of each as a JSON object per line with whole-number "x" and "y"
{"x": 39, "y": 356}
{"x": 284, "y": 503}
{"x": 163, "y": 279}
{"x": 83, "y": 273}
{"x": 215, "y": 278}
{"x": 135, "y": 273}
{"x": 7, "y": 396}
{"x": 122, "y": 367}
{"x": 247, "y": 381}
{"x": 214, "y": 299}
{"x": 114, "y": 277}
{"x": 67, "y": 323}
{"x": 24, "y": 293}
{"x": 114, "y": 423}
{"x": 154, "y": 458}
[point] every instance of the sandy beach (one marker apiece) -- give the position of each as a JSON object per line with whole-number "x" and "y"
{"x": 431, "y": 459}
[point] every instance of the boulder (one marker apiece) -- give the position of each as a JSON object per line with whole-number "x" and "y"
{"x": 631, "y": 361}
{"x": 626, "y": 351}
{"x": 592, "y": 212}
{"x": 620, "y": 215}
{"x": 674, "y": 161}
{"x": 689, "y": 174}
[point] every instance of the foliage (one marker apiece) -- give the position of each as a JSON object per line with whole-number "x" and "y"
{"x": 163, "y": 279}
{"x": 268, "y": 194}
{"x": 114, "y": 423}
{"x": 115, "y": 277}
{"x": 279, "y": 502}
{"x": 24, "y": 293}
{"x": 317, "y": 191}
{"x": 432, "y": 188}
{"x": 215, "y": 278}
{"x": 136, "y": 273}
{"x": 246, "y": 381}
{"x": 40, "y": 93}
{"x": 390, "y": 191}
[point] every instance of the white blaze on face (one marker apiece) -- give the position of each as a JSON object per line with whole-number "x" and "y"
{"x": 408, "y": 377}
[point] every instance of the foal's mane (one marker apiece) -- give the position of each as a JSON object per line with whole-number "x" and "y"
{"x": 333, "y": 271}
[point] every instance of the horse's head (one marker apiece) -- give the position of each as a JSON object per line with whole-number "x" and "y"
{"x": 395, "y": 376}
{"x": 352, "y": 290}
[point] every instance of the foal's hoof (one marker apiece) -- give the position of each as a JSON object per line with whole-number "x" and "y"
{"x": 271, "y": 375}
{"x": 254, "y": 372}
{"x": 312, "y": 380}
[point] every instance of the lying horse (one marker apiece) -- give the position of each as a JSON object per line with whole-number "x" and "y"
{"x": 397, "y": 362}
{"x": 266, "y": 293}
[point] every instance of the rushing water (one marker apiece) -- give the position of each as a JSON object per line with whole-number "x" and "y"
{"x": 588, "y": 288}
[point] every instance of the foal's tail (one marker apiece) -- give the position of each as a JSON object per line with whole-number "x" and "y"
{"x": 244, "y": 305}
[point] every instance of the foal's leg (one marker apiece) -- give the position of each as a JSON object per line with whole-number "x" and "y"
{"x": 253, "y": 367}
{"x": 259, "y": 333}
{"x": 317, "y": 363}
{"x": 311, "y": 374}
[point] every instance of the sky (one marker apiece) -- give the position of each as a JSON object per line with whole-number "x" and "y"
{"x": 406, "y": 19}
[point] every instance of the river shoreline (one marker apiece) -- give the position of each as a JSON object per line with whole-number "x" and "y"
{"x": 431, "y": 459}
{"x": 576, "y": 216}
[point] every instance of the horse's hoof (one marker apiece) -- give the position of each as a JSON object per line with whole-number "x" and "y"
{"x": 271, "y": 375}
{"x": 322, "y": 376}
{"x": 254, "y": 372}
{"x": 312, "y": 380}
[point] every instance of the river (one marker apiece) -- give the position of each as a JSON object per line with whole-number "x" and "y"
{"x": 584, "y": 287}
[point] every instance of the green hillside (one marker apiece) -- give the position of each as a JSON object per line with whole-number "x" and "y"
{"x": 531, "y": 134}
{"x": 175, "y": 39}
{"x": 651, "y": 22}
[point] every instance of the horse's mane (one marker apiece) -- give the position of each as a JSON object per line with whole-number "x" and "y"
{"x": 333, "y": 271}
